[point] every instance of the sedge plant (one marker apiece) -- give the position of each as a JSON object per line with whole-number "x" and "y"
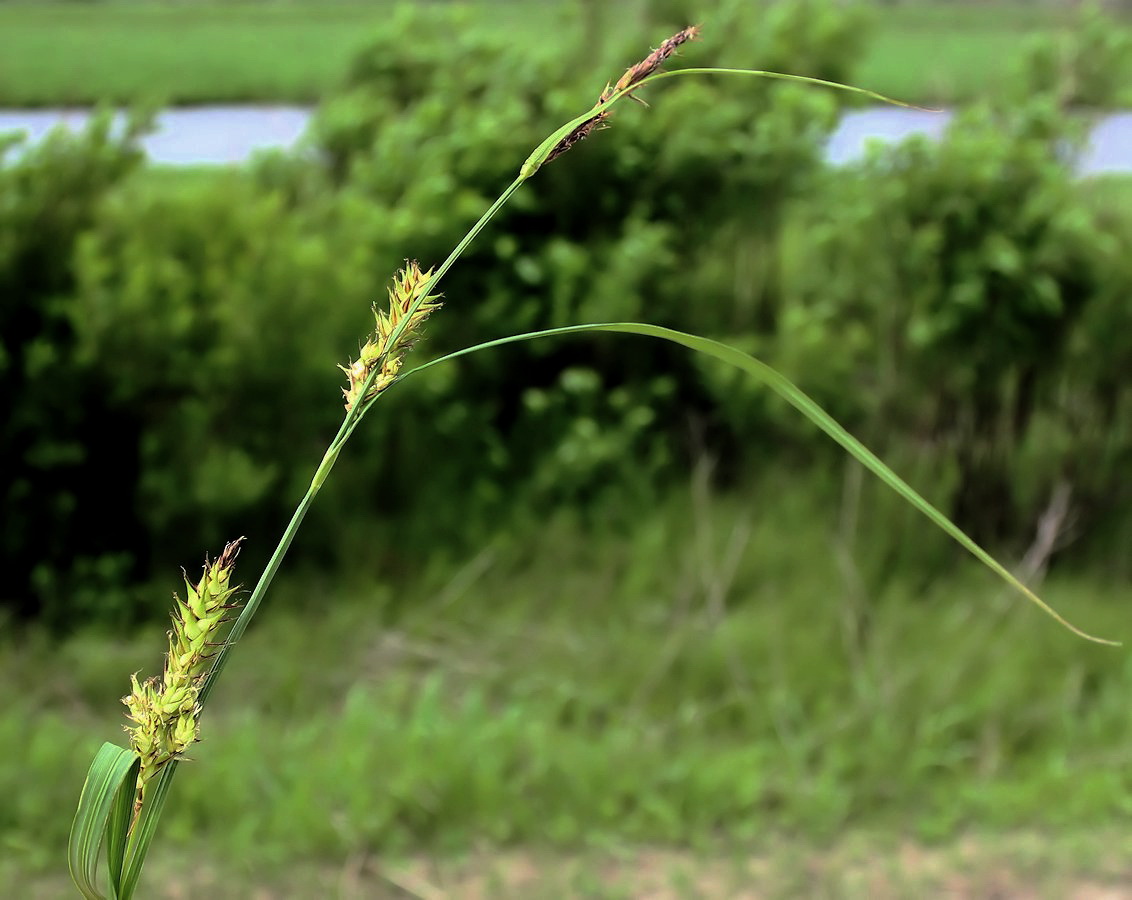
{"x": 127, "y": 787}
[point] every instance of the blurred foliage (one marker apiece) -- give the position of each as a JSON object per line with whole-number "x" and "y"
{"x": 1090, "y": 65}
{"x": 169, "y": 355}
{"x": 949, "y": 279}
{"x": 706, "y": 677}
{"x": 66, "y": 474}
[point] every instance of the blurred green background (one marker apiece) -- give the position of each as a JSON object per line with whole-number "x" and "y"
{"x": 588, "y": 617}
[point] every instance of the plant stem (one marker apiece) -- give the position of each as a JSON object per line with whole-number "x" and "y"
{"x": 349, "y": 423}
{"x": 433, "y": 281}
{"x": 146, "y": 823}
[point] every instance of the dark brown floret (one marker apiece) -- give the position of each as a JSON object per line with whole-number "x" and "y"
{"x": 632, "y": 77}
{"x": 651, "y": 63}
{"x": 578, "y": 134}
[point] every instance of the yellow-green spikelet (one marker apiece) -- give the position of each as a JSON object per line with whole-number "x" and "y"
{"x": 406, "y": 301}
{"x": 164, "y": 710}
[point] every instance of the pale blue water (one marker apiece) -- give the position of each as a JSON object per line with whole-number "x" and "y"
{"x": 199, "y": 135}
{"x": 218, "y": 135}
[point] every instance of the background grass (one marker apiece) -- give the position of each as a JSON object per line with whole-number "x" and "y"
{"x": 61, "y": 54}
{"x": 78, "y": 54}
{"x": 954, "y": 52}
{"x": 753, "y": 688}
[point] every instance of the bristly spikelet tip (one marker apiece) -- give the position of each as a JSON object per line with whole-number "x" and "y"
{"x": 164, "y": 710}
{"x": 633, "y": 76}
{"x": 395, "y": 331}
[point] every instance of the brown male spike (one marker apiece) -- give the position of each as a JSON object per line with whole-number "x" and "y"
{"x": 633, "y": 76}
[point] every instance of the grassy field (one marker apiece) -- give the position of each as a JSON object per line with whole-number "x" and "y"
{"x": 951, "y": 54}
{"x": 201, "y": 52}
{"x": 59, "y": 54}
{"x": 755, "y": 700}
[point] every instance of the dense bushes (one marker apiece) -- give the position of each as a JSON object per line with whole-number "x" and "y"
{"x": 170, "y": 353}
{"x": 60, "y": 528}
{"x": 970, "y": 264}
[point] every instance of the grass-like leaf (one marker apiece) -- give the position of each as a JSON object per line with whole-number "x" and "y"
{"x": 103, "y": 815}
{"x": 810, "y": 409}
{"x": 142, "y": 835}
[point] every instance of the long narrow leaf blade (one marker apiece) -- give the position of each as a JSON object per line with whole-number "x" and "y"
{"x": 111, "y": 777}
{"x": 118, "y": 826}
{"x": 782, "y": 76}
{"x": 142, "y": 835}
{"x": 810, "y": 409}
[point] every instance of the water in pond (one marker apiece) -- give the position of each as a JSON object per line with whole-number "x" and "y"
{"x": 189, "y": 136}
{"x": 217, "y": 135}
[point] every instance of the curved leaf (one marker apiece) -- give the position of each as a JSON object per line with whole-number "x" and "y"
{"x": 105, "y": 806}
{"x": 810, "y": 409}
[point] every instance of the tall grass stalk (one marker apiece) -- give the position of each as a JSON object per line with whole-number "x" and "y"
{"x": 126, "y": 789}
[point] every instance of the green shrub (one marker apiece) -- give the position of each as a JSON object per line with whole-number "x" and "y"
{"x": 66, "y": 474}
{"x": 949, "y": 285}
{"x": 1093, "y": 410}
{"x": 211, "y": 317}
{"x": 945, "y": 301}
{"x": 1085, "y": 66}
